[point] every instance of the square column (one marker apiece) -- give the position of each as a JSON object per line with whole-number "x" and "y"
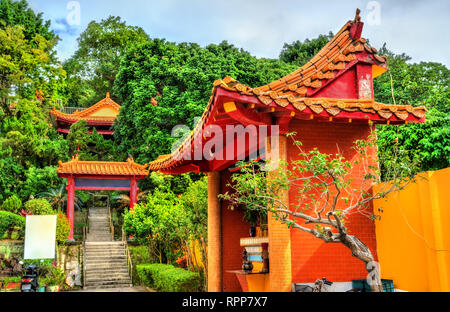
{"x": 133, "y": 193}
{"x": 280, "y": 271}
{"x": 70, "y": 205}
{"x": 214, "y": 234}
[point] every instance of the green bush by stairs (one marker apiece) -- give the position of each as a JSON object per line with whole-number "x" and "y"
{"x": 167, "y": 278}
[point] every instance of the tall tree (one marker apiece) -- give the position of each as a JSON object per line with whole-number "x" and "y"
{"x": 18, "y": 13}
{"x": 300, "y": 52}
{"x": 164, "y": 84}
{"x": 326, "y": 194}
{"x": 93, "y": 68}
{"x": 424, "y": 83}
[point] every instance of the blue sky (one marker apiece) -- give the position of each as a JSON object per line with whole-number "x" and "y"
{"x": 418, "y": 28}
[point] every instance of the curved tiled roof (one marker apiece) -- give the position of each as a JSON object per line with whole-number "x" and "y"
{"x": 295, "y": 92}
{"x": 87, "y": 113}
{"x": 333, "y": 106}
{"x": 78, "y": 167}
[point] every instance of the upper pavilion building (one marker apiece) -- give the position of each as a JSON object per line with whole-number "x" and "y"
{"x": 100, "y": 116}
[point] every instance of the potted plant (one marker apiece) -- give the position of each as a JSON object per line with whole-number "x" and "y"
{"x": 253, "y": 217}
{"x": 11, "y": 283}
{"x": 55, "y": 279}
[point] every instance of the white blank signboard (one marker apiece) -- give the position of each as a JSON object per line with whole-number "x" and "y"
{"x": 40, "y": 237}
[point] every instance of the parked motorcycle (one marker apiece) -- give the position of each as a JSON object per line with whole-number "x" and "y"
{"x": 30, "y": 281}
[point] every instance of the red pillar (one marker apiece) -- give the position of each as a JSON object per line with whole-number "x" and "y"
{"x": 70, "y": 204}
{"x": 133, "y": 193}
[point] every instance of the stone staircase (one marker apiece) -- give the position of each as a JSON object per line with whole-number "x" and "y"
{"x": 105, "y": 260}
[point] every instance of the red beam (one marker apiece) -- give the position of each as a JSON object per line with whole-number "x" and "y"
{"x": 94, "y": 188}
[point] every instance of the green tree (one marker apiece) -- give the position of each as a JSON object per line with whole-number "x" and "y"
{"x": 163, "y": 84}
{"x": 18, "y": 13}
{"x": 417, "y": 84}
{"x": 195, "y": 204}
{"x": 93, "y": 68}
{"x": 300, "y": 52}
{"x": 159, "y": 223}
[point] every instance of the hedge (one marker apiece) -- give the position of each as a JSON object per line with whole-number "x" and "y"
{"x": 167, "y": 278}
{"x": 9, "y": 222}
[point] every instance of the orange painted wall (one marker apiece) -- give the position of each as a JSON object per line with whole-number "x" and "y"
{"x": 311, "y": 258}
{"x": 233, "y": 229}
{"x": 413, "y": 234}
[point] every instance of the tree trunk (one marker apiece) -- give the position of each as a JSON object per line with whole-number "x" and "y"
{"x": 362, "y": 252}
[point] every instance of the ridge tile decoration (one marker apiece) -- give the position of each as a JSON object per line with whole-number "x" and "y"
{"x": 321, "y": 90}
{"x": 78, "y": 167}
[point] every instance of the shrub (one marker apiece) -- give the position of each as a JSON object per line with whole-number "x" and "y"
{"x": 139, "y": 255}
{"x": 10, "y": 222}
{"x": 167, "y": 278}
{"x": 39, "y": 207}
{"x": 62, "y": 228}
{"x": 12, "y": 204}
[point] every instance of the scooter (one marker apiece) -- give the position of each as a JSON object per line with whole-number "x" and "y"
{"x": 30, "y": 281}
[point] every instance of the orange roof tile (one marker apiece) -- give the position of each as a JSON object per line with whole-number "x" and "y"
{"x": 105, "y": 110}
{"x": 78, "y": 167}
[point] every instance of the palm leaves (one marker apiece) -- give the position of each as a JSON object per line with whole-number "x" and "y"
{"x": 124, "y": 200}
{"x": 58, "y": 198}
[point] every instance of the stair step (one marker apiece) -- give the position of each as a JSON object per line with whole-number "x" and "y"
{"x": 106, "y": 261}
{"x": 100, "y": 286}
{"x": 102, "y": 245}
{"x": 119, "y": 279}
{"x": 93, "y": 269}
{"x": 107, "y": 282}
{"x": 106, "y": 277}
{"x": 105, "y": 249}
{"x": 106, "y": 266}
{"x": 106, "y": 257}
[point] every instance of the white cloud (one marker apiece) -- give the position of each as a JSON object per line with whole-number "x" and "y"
{"x": 417, "y": 28}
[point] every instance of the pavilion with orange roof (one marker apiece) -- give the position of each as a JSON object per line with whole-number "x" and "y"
{"x": 100, "y": 176}
{"x": 100, "y": 116}
{"x": 329, "y": 103}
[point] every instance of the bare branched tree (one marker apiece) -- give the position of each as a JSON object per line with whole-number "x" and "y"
{"x": 329, "y": 189}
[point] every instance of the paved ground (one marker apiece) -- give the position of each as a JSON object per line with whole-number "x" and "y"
{"x": 127, "y": 289}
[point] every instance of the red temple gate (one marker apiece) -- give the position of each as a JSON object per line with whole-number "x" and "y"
{"x": 100, "y": 176}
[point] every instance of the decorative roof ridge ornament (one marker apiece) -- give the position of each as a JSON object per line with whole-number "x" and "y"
{"x": 357, "y": 16}
{"x": 356, "y": 26}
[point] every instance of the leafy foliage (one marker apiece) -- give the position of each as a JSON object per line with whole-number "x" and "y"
{"x": 157, "y": 222}
{"x": 324, "y": 189}
{"x": 39, "y": 207}
{"x": 26, "y": 66}
{"x": 10, "y": 222}
{"x": 12, "y": 204}
{"x": 58, "y": 198}
{"x": 93, "y": 68}
{"x": 62, "y": 228}
{"x": 167, "y": 278}
{"x": 300, "y": 52}
{"x": 15, "y": 13}
{"x": 426, "y": 84}
{"x": 163, "y": 84}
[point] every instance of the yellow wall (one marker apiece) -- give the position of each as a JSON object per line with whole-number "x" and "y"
{"x": 413, "y": 235}
{"x": 105, "y": 112}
